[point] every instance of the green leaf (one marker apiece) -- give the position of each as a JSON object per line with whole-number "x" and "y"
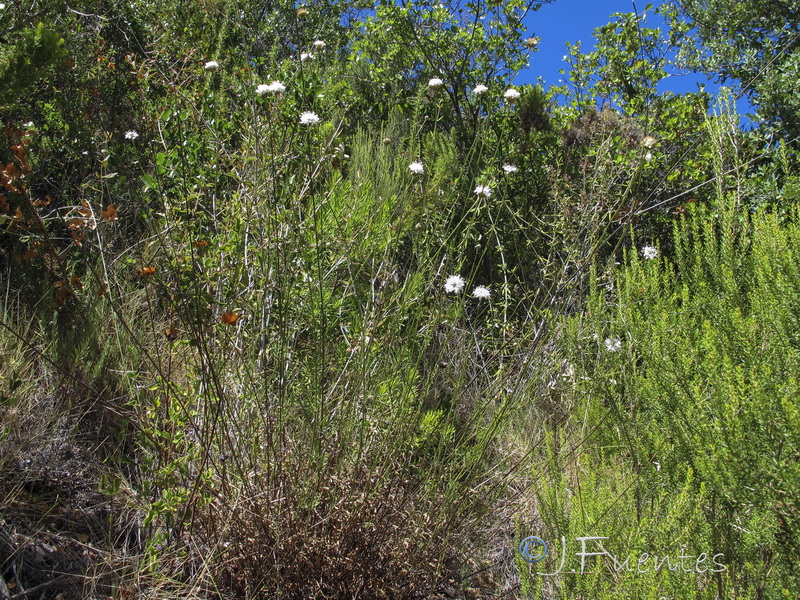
{"x": 149, "y": 182}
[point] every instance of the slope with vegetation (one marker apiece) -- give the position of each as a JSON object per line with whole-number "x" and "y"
{"x": 309, "y": 301}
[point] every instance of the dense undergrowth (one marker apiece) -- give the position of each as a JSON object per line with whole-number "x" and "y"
{"x": 311, "y": 302}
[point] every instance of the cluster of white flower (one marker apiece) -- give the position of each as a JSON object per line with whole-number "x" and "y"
{"x": 309, "y": 118}
{"x": 318, "y": 45}
{"x": 484, "y": 191}
{"x": 131, "y": 135}
{"x": 480, "y": 89}
{"x": 454, "y": 284}
{"x": 276, "y": 87}
{"x": 511, "y": 95}
{"x": 417, "y": 168}
{"x": 613, "y": 344}
{"x": 508, "y": 168}
{"x": 481, "y": 292}
{"x": 649, "y": 142}
{"x": 306, "y": 56}
{"x": 649, "y": 252}
{"x": 212, "y": 65}
{"x": 435, "y": 83}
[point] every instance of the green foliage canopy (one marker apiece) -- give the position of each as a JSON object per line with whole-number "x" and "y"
{"x": 755, "y": 44}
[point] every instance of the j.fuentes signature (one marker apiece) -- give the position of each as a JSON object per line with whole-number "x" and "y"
{"x": 534, "y": 549}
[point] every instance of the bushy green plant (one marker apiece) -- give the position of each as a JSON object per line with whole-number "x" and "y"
{"x": 34, "y": 53}
{"x": 686, "y": 384}
{"x": 337, "y": 329}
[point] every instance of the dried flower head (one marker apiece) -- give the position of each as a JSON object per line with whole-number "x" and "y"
{"x": 649, "y": 142}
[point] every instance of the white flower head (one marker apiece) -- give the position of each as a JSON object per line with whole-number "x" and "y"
{"x": 484, "y": 191}
{"x": 306, "y": 56}
{"x": 509, "y": 168}
{"x": 649, "y": 252}
{"x": 481, "y": 292}
{"x": 276, "y": 87}
{"x": 211, "y": 65}
{"x": 531, "y": 42}
{"x": 511, "y": 95}
{"x": 648, "y": 157}
{"x": 649, "y": 142}
{"x": 131, "y": 135}
{"x": 454, "y": 284}
{"x": 417, "y": 168}
{"x": 2, "y": 6}
{"x": 613, "y": 344}
{"x": 435, "y": 83}
{"x": 318, "y": 45}
{"x": 480, "y": 89}
{"x": 309, "y": 118}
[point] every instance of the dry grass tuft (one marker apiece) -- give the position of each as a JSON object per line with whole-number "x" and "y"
{"x": 359, "y": 537}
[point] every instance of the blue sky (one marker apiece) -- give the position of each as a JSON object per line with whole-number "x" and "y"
{"x": 573, "y": 20}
